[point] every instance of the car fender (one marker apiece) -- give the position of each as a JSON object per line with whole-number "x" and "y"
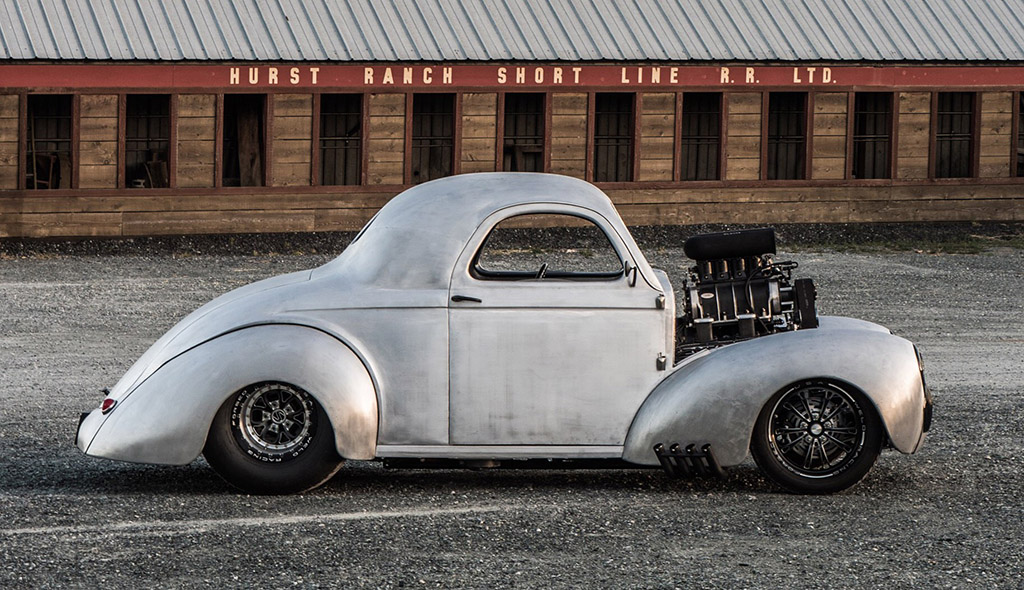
{"x": 715, "y": 396}
{"x": 167, "y": 417}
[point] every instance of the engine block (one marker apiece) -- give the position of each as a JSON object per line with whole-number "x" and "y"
{"x": 736, "y": 291}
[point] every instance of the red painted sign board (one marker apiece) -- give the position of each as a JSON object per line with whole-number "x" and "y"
{"x": 382, "y": 77}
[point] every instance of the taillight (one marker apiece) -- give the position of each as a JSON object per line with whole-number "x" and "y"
{"x": 107, "y": 405}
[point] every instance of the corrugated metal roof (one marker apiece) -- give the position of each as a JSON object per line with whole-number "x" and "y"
{"x": 513, "y": 30}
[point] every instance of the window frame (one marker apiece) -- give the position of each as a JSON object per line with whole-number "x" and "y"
{"x": 892, "y": 134}
{"x": 456, "y": 134}
{"x": 679, "y": 130}
{"x": 1016, "y": 149}
{"x": 808, "y": 135}
{"x": 482, "y": 274}
{"x": 545, "y": 137}
{"x": 267, "y": 153}
{"x": 591, "y": 152}
{"x": 316, "y": 139}
{"x": 122, "y": 138}
{"x": 23, "y": 140}
{"x": 975, "y": 137}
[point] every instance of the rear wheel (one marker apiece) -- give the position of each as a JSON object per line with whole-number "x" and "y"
{"x": 272, "y": 438}
{"x": 817, "y": 437}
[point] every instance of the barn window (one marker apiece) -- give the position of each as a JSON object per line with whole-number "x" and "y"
{"x": 244, "y": 140}
{"x": 701, "y": 136}
{"x": 1019, "y": 154}
{"x": 954, "y": 135}
{"x": 524, "y": 133}
{"x": 787, "y": 136}
{"x": 341, "y": 136}
{"x": 433, "y": 136}
{"x": 49, "y": 142}
{"x": 613, "y": 136}
{"x": 872, "y": 135}
{"x": 147, "y": 137}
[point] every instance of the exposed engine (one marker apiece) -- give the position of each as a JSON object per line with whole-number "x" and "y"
{"x": 737, "y": 291}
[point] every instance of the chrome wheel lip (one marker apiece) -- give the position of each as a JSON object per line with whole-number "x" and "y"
{"x": 278, "y": 425}
{"x": 816, "y": 430}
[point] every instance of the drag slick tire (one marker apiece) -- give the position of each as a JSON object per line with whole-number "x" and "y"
{"x": 272, "y": 438}
{"x": 817, "y": 437}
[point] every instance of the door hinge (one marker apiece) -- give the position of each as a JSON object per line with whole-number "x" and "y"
{"x": 659, "y": 301}
{"x": 662, "y": 361}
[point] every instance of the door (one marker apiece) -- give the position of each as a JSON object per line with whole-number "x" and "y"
{"x": 551, "y": 342}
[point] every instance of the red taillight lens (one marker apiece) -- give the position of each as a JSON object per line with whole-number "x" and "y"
{"x": 108, "y": 404}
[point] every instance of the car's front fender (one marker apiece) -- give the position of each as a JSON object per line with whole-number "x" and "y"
{"x": 166, "y": 418}
{"x": 716, "y": 397}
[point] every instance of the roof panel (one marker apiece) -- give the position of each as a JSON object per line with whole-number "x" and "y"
{"x": 549, "y": 30}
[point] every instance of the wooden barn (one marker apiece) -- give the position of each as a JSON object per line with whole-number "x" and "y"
{"x": 133, "y": 118}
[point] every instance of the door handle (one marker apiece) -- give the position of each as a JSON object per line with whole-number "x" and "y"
{"x": 458, "y": 298}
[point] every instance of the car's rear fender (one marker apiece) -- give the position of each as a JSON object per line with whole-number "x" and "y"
{"x": 167, "y": 417}
{"x": 716, "y": 396}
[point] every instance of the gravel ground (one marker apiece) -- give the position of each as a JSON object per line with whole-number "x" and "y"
{"x": 951, "y": 516}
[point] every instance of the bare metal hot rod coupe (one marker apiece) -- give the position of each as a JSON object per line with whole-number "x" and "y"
{"x": 437, "y": 338}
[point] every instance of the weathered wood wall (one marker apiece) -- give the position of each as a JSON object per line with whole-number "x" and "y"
{"x": 97, "y": 141}
{"x": 9, "y": 141}
{"x": 743, "y": 136}
{"x": 197, "y": 140}
{"x": 479, "y": 131}
{"x": 386, "y": 139}
{"x": 101, "y": 207}
{"x": 292, "y": 132}
{"x": 657, "y": 136}
{"x": 996, "y": 127}
{"x": 569, "y": 134}
{"x": 828, "y": 141}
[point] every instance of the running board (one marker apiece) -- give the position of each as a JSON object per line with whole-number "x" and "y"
{"x": 691, "y": 462}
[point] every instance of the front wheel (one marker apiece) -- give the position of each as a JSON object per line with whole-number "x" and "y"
{"x": 272, "y": 438}
{"x": 817, "y": 437}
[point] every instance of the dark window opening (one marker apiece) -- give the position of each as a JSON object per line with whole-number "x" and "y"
{"x": 551, "y": 246}
{"x": 787, "y": 136}
{"x": 48, "y": 152}
{"x": 1020, "y": 134}
{"x": 244, "y": 140}
{"x": 872, "y": 135}
{"x": 701, "y": 138}
{"x": 147, "y": 139}
{"x": 954, "y": 135}
{"x": 524, "y": 133}
{"x": 613, "y": 137}
{"x": 433, "y": 136}
{"x": 341, "y": 136}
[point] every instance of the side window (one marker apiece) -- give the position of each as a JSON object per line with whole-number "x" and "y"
{"x": 547, "y": 246}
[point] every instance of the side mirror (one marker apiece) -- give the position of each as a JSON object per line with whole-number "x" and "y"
{"x": 629, "y": 269}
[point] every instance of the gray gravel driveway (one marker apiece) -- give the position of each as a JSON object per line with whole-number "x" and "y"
{"x": 951, "y": 516}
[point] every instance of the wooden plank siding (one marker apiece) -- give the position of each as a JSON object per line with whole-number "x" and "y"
{"x": 97, "y": 141}
{"x": 197, "y": 140}
{"x": 386, "y": 139}
{"x": 657, "y": 136}
{"x": 479, "y": 131}
{"x": 914, "y": 135}
{"x": 743, "y": 136}
{"x": 291, "y": 202}
{"x": 292, "y": 156}
{"x": 828, "y": 158}
{"x": 569, "y": 134}
{"x": 9, "y": 137}
{"x": 995, "y": 134}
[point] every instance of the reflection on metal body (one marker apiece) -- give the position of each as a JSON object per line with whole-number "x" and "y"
{"x": 716, "y": 396}
{"x": 411, "y": 355}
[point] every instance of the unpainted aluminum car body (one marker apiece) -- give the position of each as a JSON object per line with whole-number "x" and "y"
{"x": 412, "y": 356}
